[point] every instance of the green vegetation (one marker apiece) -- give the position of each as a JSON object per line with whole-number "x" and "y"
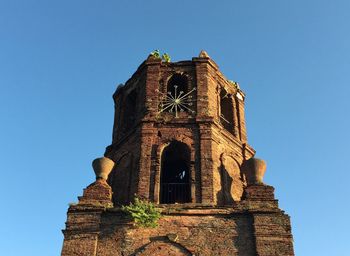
{"x": 143, "y": 213}
{"x": 164, "y": 57}
{"x": 235, "y": 84}
{"x": 156, "y": 53}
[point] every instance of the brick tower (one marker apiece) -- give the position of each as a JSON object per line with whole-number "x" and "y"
{"x": 179, "y": 141}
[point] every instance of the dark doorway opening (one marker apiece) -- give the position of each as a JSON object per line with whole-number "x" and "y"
{"x": 175, "y": 174}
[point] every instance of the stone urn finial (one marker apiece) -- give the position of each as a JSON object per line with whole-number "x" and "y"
{"x": 254, "y": 170}
{"x": 102, "y": 167}
{"x": 203, "y": 54}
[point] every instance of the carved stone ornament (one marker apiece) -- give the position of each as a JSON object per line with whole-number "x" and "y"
{"x": 102, "y": 167}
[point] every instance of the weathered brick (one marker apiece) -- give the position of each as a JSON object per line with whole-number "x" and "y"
{"x": 223, "y": 215}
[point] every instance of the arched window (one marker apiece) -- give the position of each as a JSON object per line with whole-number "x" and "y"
{"x": 177, "y": 84}
{"x": 175, "y": 174}
{"x": 178, "y": 97}
{"x": 129, "y": 114}
{"x": 226, "y": 111}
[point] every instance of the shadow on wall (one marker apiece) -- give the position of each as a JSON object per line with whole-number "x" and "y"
{"x": 224, "y": 196}
{"x": 245, "y": 241}
{"x": 120, "y": 180}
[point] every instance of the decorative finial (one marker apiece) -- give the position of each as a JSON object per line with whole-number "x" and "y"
{"x": 203, "y": 54}
{"x": 254, "y": 170}
{"x": 102, "y": 167}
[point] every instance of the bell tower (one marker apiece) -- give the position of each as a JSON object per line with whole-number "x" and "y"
{"x": 179, "y": 141}
{"x": 179, "y": 134}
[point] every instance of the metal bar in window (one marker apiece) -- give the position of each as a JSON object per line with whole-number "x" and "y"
{"x": 223, "y": 118}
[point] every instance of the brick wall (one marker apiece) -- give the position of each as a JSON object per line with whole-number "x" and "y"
{"x": 225, "y": 216}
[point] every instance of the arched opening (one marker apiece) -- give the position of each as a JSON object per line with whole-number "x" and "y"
{"x": 162, "y": 248}
{"x": 226, "y": 111}
{"x": 175, "y": 174}
{"x": 177, "y": 84}
{"x": 129, "y": 114}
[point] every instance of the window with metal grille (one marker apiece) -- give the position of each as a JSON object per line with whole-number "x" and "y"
{"x": 175, "y": 173}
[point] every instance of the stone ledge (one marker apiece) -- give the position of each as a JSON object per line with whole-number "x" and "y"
{"x": 259, "y": 192}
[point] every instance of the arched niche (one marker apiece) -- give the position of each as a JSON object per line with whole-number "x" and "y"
{"x": 120, "y": 179}
{"x": 226, "y": 111}
{"x": 175, "y": 174}
{"x": 231, "y": 183}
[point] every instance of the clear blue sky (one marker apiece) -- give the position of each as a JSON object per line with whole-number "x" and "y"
{"x": 60, "y": 62}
